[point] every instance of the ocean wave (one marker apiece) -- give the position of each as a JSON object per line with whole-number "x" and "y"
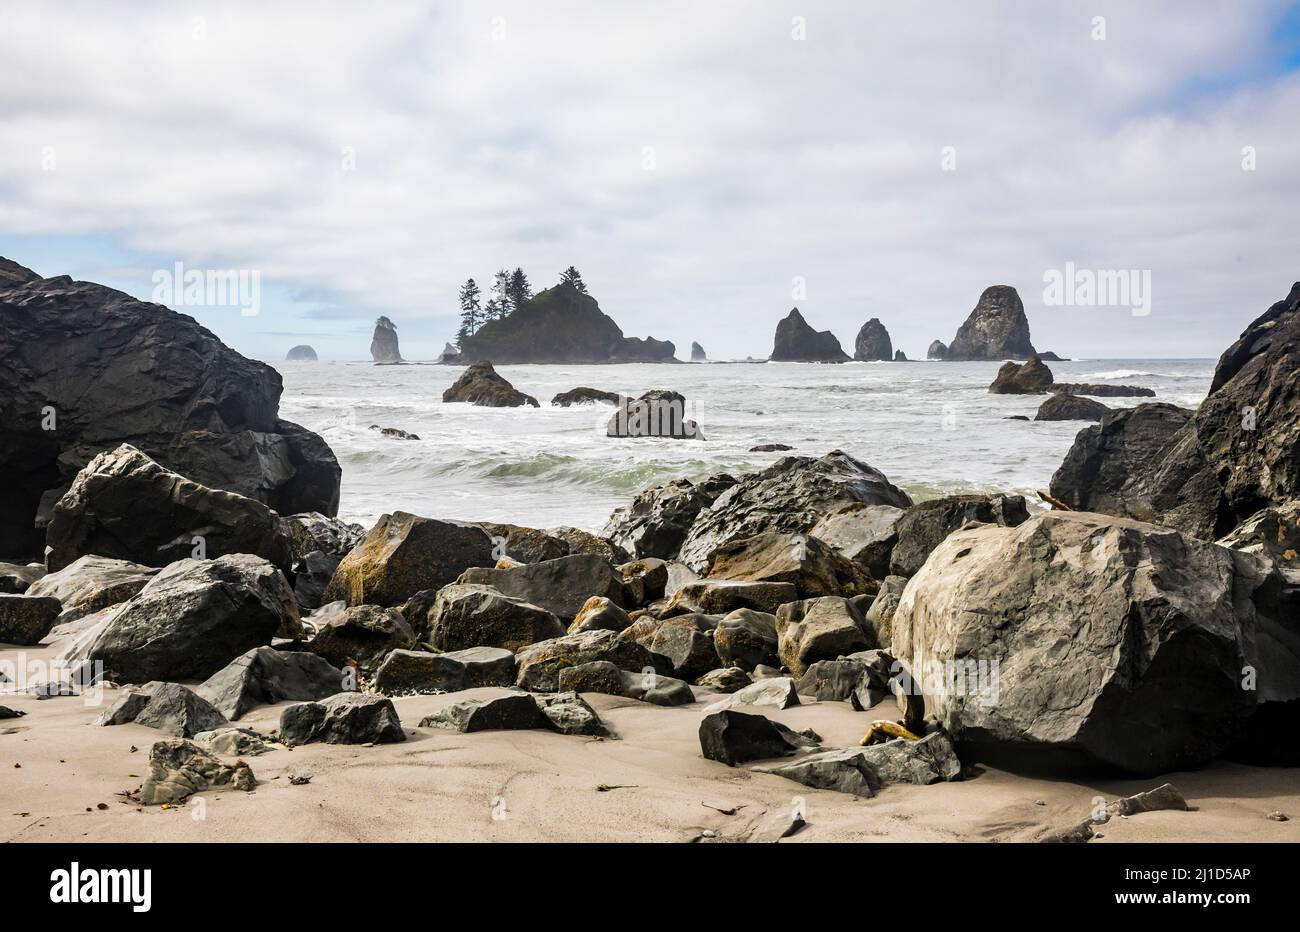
{"x": 1119, "y": 374}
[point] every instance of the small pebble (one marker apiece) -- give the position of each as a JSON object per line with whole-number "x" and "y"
{"x": 1040, "y": 802}
{"x": 1277, "y": 815}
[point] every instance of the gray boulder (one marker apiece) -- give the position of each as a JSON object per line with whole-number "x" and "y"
{"x": 1029, "y": 378}
{"x": 480, "y": 384}
{"x": 345, "y": 718}
{"x": 169, "y": 707}
{"x": 264, "y": 676}
{"x": 16, "y": 578}
{"x": 538, "y": 666}
{"x": 880, "y": 616}
{"x": 819, "y": 629}
{"x": 1061, "y": 406}
{"x": 724, "y": 680}
{"x": 842, "y": 770}
{"x": 657, "y": 413}
{"x": 865, "y": 534}
{"x": 27, "y": 619}
{"x": 361, "y": 636}
{"x": 721, "y": 596}
{"x": 746, "y": 639}
{"x": 511, "y": 712}
{"x": 598, "y": 613}
{"x": 560, "y": 586}
{"x": 1077, "y": 638}
{"x": 569, "y": 714}
{"x": 465, "y": 616}
{"x": 779, "y": 692}
{"x": 684, "y": 641}
{"x": 924, "y": 526}
{"x": 601, "y": 676}
{"x": 413, "y": 673}
{"x": 658, "y": 520}
{"x": 814, "y": 568}
{"x": 193, "y": 618}
{"x": 92, "y": 583}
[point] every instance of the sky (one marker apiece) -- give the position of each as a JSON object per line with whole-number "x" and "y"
{"x": 705, "y": 165}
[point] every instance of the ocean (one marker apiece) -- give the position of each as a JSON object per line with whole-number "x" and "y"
{"x": 931, "y": 427}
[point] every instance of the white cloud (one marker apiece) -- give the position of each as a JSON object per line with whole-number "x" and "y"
{"x": 215, "y": 134}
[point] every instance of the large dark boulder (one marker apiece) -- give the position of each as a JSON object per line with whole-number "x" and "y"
{"x": 361, "y": 636}
{"x": 85, "y": 368}
{"x": 404, "y": 554}
{"x": 1061, "y": 406}
{"x": 92, "y": 583}
{"x": 347, "y": 718}
{"x": 1028, "y": 378}
{"x": 126, "y": 506}
{"x": 480, "y": 384}
{"x": 512, "y": 712}
{"x": 924, "y": 526}
{"x": 798, "y": 342}
{"x": 657, "y": 413}
{"x": 996, "y": 329}
{"x": 873, "y": 343}
{"x": 560, "y": 586}
{"x": 264, "y": 676}
{"x": 1081, "y": 640}
{"x": 538, "y": 666}
{"x": 733, "y": 738}
{"x": 317, "y": 544}
{"x": 27, "y": 619}
{"x": 586, "y": 396}
{"x": 524, "y": 544}
{"x": 560, "y": 325}
{"x": 170, "y": 707}
{"x": 685, "y": 641}
{"x": 192, "y": 619}
{"x": 658, "y": 520}
{"x": 465, "y": 616}
{"x": 790, "y": 496}
{"x": 601, "y": 676}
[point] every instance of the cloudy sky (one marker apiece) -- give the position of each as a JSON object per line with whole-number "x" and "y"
{"x": 697, "y": 161}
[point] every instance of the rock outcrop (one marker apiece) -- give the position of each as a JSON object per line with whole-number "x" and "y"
{"x": 923, "y": 527}
{"x": 465, "y": 616}
{"x": 1061, "y": 406}
{"x": 347, "y": 718}
{"x": 586, "y": 396}
{"x": 126, "y": 506}
{"x": 698, "y": 354}
{"x": 657, "y": 413}
{"x": 1029, "y": 378}
{"x": 85, "y": 368}
{"x": 798, "y": 342}
{"x": 383, "y": 345}
{"x": 560, "y": 325}
{"x": 26, "y": 619}
{"x": 873, "y": 344}
{"x": 1104, "y": 390}
{"x": 561, "y": 586}
{"x": 301, "y": 353}
{"x": 92, "y": 583}
{"x": 263, "y": 676}
{"x": 1083, "y": 640}
{"x": 658, "y": 520}
{"x": 937, "y": 350}
{"x": 996, "y": 329}
{"x": 449, "y": 354}
{"x": 481, "y": 385}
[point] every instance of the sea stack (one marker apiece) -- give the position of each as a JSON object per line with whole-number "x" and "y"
{"x": 383, "y": 345}
{"x": 997, "y": 329}
{"x": 938, "y": 350}
{"x": 301, "y": 352}
{"x": 873, "y": 344}
{"x": 798, "y": 342}
{"x": 698, "y": 354}
{"x": 449, "y": 354}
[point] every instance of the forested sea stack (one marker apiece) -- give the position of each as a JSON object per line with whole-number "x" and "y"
{"x": 796, "y": 341}
{"x": 562, "y": 324}
{"x": 997, "y": 329}
{"x": 84, "y": 368}
{"x": 383, "y": 345}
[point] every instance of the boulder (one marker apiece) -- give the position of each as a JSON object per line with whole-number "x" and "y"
{"x": 569, "y": 714}
{"x": 684, "y": 641}
{"x": 996, "y": 329}
{"x": 724, "y": 680}
{"x": 880, "y": 616}
{"x": 511, "y": 712}
{"x": 345, "y": 718}
{"x": 465, "y": 616}
{"x": 383, "y": 344}
{"x": 414, "y": 672}
{"x": 581, "y": 541}
{"x": 771, "y": 448}
{"x": 811, "y": 566}
{"x": 722, "y": 596}
{"x": 819, "y": 629}
{"x": 657, "y": 413}
{"x": 931, "y": 760}
{"x": 746, "y": 638}
{"x": 586, "y": 396}
{"x": 27, "y": 619}
{"x": 524, "y": 544}
{"x": 698, "y": 354}
{"x": 658, "y": 520}
{"x": 779, "y": 692}
{"x": 1060, "y": 406}
{"x": 1103, "y": 391}
{"x": 865, "y": 534}
{"x": 560, "y": 325}
{"x": 90, "y": 584}
{"x": 169, "y": 707}
{"x": 361, "y": 636}
{"x": 937, "y": 350}
{"x": 646, "y": 579}
{"x": 790, "y": 496}
{"x": 561, "y": 586}
{"x": 481, "y": 385}
{"x": 798, "y": 342}
{"x": 841, "y": 770}
{"x": 924, "y": 526}
{"x": 395, "y": 432}
{"x": 404, "y": 554}
{"x": 485, "y": 666}
{"x": 1029, "y": 378}
{"x": 126, "y": 506}
{"x": 1078, "y": 639}
{"x": 873, "y": 344}
{"x": 878, "y": 680}
{"x": 538, "y": 666}
{"x": 103, "y": 369}
{"x": 264, "y": 676}
{"x": 301, "y": 352}
{"x": 229, "y": 741}
{"x": 179, "y": 768}
{"x": 598, "y": 612}
{"x": 732, "y": 738}
{"x": 192, "y": 619}
{"x": 832, "y": 680}
{"x": 601, "y": 676}
{"x": 15, "y": 579}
